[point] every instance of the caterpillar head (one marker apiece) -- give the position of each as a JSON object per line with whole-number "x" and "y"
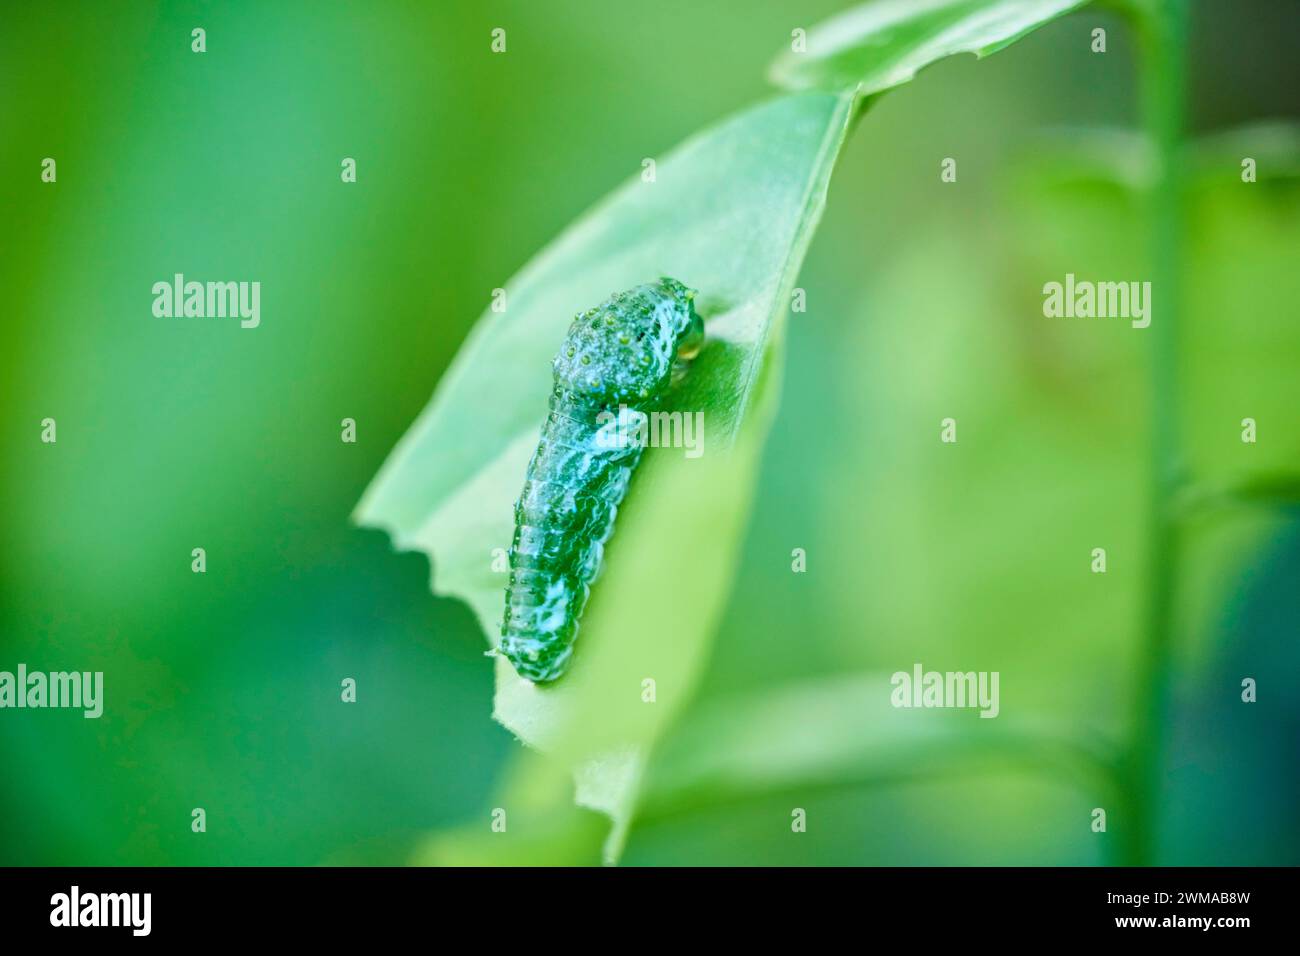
{"x": 623, "y": 351}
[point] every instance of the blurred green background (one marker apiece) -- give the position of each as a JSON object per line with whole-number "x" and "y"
{"x": 223, "y": 688}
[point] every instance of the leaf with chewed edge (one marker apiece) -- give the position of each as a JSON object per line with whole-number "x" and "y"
{"x": 731, "y": 213}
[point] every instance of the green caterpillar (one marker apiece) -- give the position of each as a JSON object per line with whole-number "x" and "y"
{"x": 614, "y": 367}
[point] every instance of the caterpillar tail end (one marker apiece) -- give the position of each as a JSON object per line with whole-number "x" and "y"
{"x": 533, "y": 659}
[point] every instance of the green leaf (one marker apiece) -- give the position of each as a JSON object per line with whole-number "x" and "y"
{"x": 878, "y": 46}
{"x": 844, "y": 731}
{"x": 1271, "y": 490}
{"x": 1273, "y": 144}
{"x": 731, "y": 213}
{"x": 1078, "y": 155}
{"x": 532, "y": 822}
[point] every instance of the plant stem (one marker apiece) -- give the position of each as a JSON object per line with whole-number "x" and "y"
{"x": 1163, "y": 32}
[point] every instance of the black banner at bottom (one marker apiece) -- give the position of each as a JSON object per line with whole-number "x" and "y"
{"x": 333, "y": 905}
